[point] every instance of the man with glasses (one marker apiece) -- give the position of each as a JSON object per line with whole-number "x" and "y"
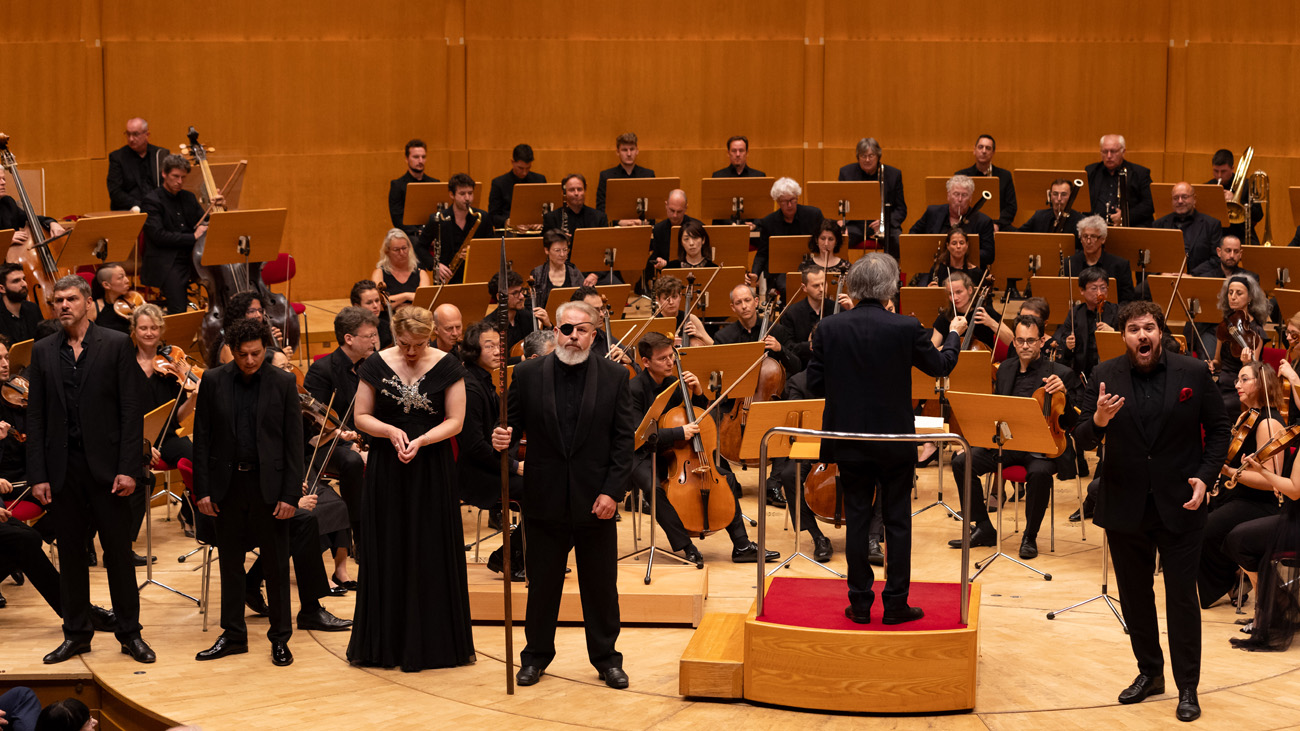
{"x": 1055, "y": 218}
{"x": 133, "y": 169}
{"x": 870, "y": 167}
{"x": 1092, "y": 253}
{"x": 942, "y": 218}
{"x": 1201, "y": 233}
{"x": 1089, "y": 315}
{"x": 1105, "y": 181}
{"x": 1021, "y": 376}
{"x": 577, "y": 413}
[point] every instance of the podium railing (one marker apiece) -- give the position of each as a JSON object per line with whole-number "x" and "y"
{"x": 851, "y": 436}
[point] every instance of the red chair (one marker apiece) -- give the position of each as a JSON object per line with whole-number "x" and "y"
{"x": 204, "y": 534}
{"x": 283, "y": 270}
{"x": 24, "y": 510}
{"x": 1019, "y": 478}
{"x": 1273, "y": 356}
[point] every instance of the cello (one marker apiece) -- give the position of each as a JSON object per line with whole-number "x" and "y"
{"x": 39, "y": 264}
{"x": 771, "y": 382}
{"x": 701, "y": 496}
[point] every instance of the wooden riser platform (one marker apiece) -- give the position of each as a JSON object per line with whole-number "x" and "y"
{"x": 675, "y": 595}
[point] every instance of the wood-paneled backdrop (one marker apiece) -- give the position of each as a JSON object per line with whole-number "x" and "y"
{"x": 321, "y": 95}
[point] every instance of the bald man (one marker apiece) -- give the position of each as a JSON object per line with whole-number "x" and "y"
{"x": 1104, "y": 180}
{"x": 661, "y": 238}
{"x": 133, "y": 168}
{"x": 1202, "y": 234}
{"x": 447, "y": 328}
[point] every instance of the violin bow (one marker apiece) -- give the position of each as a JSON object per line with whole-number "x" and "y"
{"x": 637, "y": 331}
{"x": 334, "y": 443}
{"x": 722, "y": 396}
{"x": 21, "y": 495}
{"x": 315, "y": 450}
{"x": 695, "y": 302}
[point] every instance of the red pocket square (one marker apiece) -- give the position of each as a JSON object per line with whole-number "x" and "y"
{"x": 1184, "y": 394}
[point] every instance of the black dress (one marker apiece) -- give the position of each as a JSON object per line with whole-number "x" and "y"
{"x": 395, "y": 287}
{"x": 412, "y": 606}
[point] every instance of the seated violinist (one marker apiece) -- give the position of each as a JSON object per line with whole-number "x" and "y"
{"x": 659, "y": 371}
{"x": 1092, "y": 313}
{"x": 668, "y": 294}
{"x": 988, "y": 324}
{"x": 20, "y": 315}
{"x": 116, "y": 291}
{"x": 802, "y": 316}
{"x": 1245, "y": 310}
{"x": 824, "y": 248}
{"x": 1022, "y": 376}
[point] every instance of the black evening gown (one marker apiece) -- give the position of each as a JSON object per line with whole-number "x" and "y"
{"x": 412, "y": 606}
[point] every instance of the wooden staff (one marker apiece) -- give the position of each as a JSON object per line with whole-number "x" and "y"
{"x": 503, "y": 326}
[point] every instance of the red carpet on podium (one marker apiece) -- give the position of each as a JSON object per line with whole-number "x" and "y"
{"x": 820, "y": 603}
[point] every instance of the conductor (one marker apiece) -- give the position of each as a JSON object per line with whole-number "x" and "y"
{"x": 869, "y": 339}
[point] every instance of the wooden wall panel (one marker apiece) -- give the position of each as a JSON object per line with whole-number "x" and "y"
{"x": 1007, "y": 20}
{"x": 254, "y": 20}
{"x": 719, "y": 20}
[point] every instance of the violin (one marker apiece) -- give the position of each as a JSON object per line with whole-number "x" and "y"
{"x": 822, "y": 492}
{"x": 324, "y": 416}
{"x": 1235, "y": 330}
{"x": 771, "y": 383}
{"x": 1280, "y": 442}
{"x": 15, "y": 390}
{"x": 173, "y": 361}
{"x": 1240, "y": 431}
{"x": 1053, "y": 406}
{"x": 701, "y": 496}
{"x": 127, "y": 304}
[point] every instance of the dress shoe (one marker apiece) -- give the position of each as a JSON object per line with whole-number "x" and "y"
{"x": 1028, "y": 548}
{"x": 280, "y": 655}
{"x": 495, "y": 564}
{"x": 528, "y": 675}
{"x": 322, "y": 621}
{"x": 980, "y": 537}
{"x": 221, "y": 648}
{"x": 3, "y": 602}
{"x": 17, "y": 576}
{"x": 1143, "y": 687}
{"x": 861, "y": 617}
{"x": 349, "y": 585}
{"x": 749, "y": 554}
{"x": 934, "y": 457}
{"x": 693, "y": 555}
{"x": 614, "y": 678}
{"x": 906, "y": 614}
{"x": 66, "y": 651}
{"x": 139, "y": 650}
{"x": 823, "y": 550}
{"x": 774, "y": 497}
{"x": 1189, "y": 709}
{"x": 494, "y": 519}
{"x": 256, "y": 603}
{"x": 337, "y": 591}
{"x": 91, "y": 558}
{"x": 102, "y": 619}
{"x": 138, "y": 560}
{"x": 875, "y": 556}
{"x": 517, "y": 573}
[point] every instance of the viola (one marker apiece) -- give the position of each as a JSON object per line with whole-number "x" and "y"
{"x": 1240, "y": 431}
{"x": 324, "y": 416}
{"x": 1236, "y": 331}
{"x": 1280, "y": 442}
{"x": 173, "y": 361}
{"x": 701, "y": 496}
{"x": 822, "y": 492}
{"x": 1053, "y": 406}
{"x": 127, "y": 304}
{"x": 771, "y": 383}
{"x": 15, "y": 390}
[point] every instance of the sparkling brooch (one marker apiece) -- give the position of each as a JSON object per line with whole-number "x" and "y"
{"x": 408, "y": 396}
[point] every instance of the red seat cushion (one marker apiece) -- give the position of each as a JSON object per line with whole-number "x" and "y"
{"x": 1015, "y": 473}
{"x": 24, "y": 510}
{"x": 298, "y": 307}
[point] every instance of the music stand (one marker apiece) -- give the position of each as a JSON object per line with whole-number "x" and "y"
{"x": 228, "y": 177}
{"x": 94, "y": 241}
{"x": 923, "y": 303}
{"x": 1209, "y": 200}
{"x": 240, "y": 237}
{"x": 616, "y": 294}
{"x": 1062, "y": 293}
{"x": 711, "y": 305}
{"x": 844, "y": 200}
{"x": 1274, "y": 264}
{"x": 916, "y": 252}
{"x": 972, "y": 374}
{"x": 730, "y": 244}
{"x": 648, "y": 433}
{"x": 1034, "y": 252}
{"x": 471, "y": 299}
{"x": 1035, "y": 182}
{"x": 530, "y": 201}
{"x": 597, "y": 248}
{"x": 785, "y": 253}
{"x": 183, "y": 330}
{"x": 422, "y": 199}
{"x": 731, "y": 198}
{"x": 20, "y": 356}
{"x": 632, "y": 197}
{"x": 1148, "y": 250}
{"x": 483, "y": 258}
{"x": 1201, "y": 295}
{"x": 1288, "y": 301}
{"x": 1002, "y": 422}
{"x": 154, "y": 422}
{"x": 936, "y": 193}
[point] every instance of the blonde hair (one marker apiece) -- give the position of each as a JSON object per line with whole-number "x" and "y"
{"x": 412, "y": 320}
{"x": 153, "y": 312}
{"x": 385, "y": 264}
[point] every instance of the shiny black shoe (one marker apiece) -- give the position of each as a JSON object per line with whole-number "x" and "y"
{"x": 934, "y": 457}
{"x": 875, "y": 556}
{"x": 749, "y": 554}
{"x": 517, "y": 573}
{"x": 1143, "y": 687}
{"x": 906, "y": 614}
{"x": 861, "y": 617}
{"x": 693, "y": 555}
{"x": 980, "y": 537}
{"x": 102, "y": 619}
{"x": 66, "y": 651}
{"x": 1076, "y": 516}
{"x": 256, "y": 603}
{"x": 322, "y": 621}
{"x": 222, "y": 648}
{"x": 774, "y": 497}
{"x": 614, "y": 678}
{"x": 280, "y": 655}
{"x": 139, "y": 650}
{"x": 138, "y": 560}
{"x": 1189, "y": 708}
{"x": 338, "y": 591}
{"x": 528, "y": 675}
{"x": 823, "y": 550}
{"x": 1028, "y": 548}
{"x": 494, "y": 562}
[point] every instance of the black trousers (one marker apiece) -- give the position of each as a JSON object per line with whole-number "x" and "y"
{"x": 81, "y": 505}
{"x": 666, "y": 515}
{"x": 305, "y": 552}
{"x": 1133, "y": 555}
{"x": 245, "y": 521}
{"x": 892, "y": 470}
{"x": 1247, "y": 544}
{"x": 1218, "y": 569}
{"x": 785, "y": 473}
{"x": 1038, "y": 490}
{"x": 21, "y": 549}
{"x": 596, "y": 548}
{"x": 174, "y": 285}
{"x": 351, "y": 471}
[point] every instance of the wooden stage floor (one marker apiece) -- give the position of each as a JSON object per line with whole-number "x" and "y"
{"x": 1034, "y": 673}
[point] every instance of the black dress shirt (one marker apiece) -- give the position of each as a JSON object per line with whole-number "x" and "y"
{"x": 22, "y": 326}
{"x": 452, "y": 237}
{"x": 1103, "y": 189}
{"x": 1212, "y": 267}
{"x": 1149, "y": 391}
{"x": 1201, "y": 235}
{"x": 807, "y": 220}
{"x": 730, "y": 172}
{"x": 12, "y": 215}
{"x": 1044, "y": 222}
{"x": 801, "y": 319}
{"x": 334, "y": 375}
{"x": 983, "y": 333}
{"x": 502, "y": 195}
{"x": 1006, "y": 193}
{"x": 247, "y": 390}
{"x": 72, "y": 374}
{"x": 618, "y": 173}
{"x": 1114, "y": 266}
{"x": 588, "y": 217}
{"x": 397, "y": 199}
{"x": 131, "y": 176}
{"x": 893, "y": 199}
{"x": 520, "y": 329}
{"x": 735, "y": 332}
{"x": 570, "y": 382}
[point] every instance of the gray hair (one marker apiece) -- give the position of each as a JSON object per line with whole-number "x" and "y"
{"x": 73, "y": 281}
{"x": 539, "y": 342}
{"x": 873, "y": 277}
{"x": 175, "y": 162}
{"x": 592, "y": 315}
{"x": 784, "y": 187}
{"x": 1093, "y": 223}
{"x": 868, "y": 143}
{"x": 1258, "y": 307}
{"x": 960, "y": 180}
{"x": 1119, "y": 138}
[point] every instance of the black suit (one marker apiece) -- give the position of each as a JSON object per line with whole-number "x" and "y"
{"x": 562, "y": 480}
{"x": 807, "y": 221}
{"x": 245, "y": 494}
{"x": 132, "y": 176}
{"x": 1146, "y": 465}
{"x": 1202, "y": 235}
{"x": 107, "y": 411}
{"x": 169, "y": 244}
{"x": 1006, "y": 193}
{"x": 1114, "y": 266}
{"x": 868, "y": 339}
{"x": 451, "y": 238}
{"x": 893, "y": 200}
{"x": 397, "y": 200}
{"x": 1044, "y": 222}
{"x": 935, "y": 221}
{"x": 1141, "y": 209}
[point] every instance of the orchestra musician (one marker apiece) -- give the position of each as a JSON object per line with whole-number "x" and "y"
{"x": 556, "y": 271}
{"x": 1223, "y": 166}
{"x": 1092, "y": 233}
{"x": 503, "y": 188}
{"x": 802, "y": 316}
{"x": 245, "y": 305}
{"x": 668, "y": 293}
{"x": 869, "y": 167}
{"x": 738, "y": 160}
{"x": 985, "y": 148}
{"x": 956, "y": 213}
{"x": 627, "y": 148}
{"x": 693, "y": 249}
{"x": 20, "y": 316}
{"x": 824, "y": 246}
{"x": 398, "y": 269}
{"x": 520, "y": 321}
{"x": 452, "y": 230}
{"x": 1152, "y": 407}
{"x": 1226, "y": 261}
{"x": 601, "y": 345}
{"x": 1201, "y": 233}
{"x": 790, "y": 219}
{"x": 447, "y": 328}
{"x": 1242, "y": 297}
{"x": 133, "y": 168}
{"x": 13, "y": 217}
{"x": 1055, "y": 218}
{"x": 112, "y": 280}
{"x": 416, "y": 152}
{"x": 954, "y": 257}
{"x": 1020, "y": 376}
{"x": 175, "y": 223}
{"x": 1104, "y": 180}
{"x": 660, "y": 236}
{"x": 1090, "y": 313}
{"x": 989, "y": 328}
{"x": 365, "y": 294}
{"x": 575, "y": 213}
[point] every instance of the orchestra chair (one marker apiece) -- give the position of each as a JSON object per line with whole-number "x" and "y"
{"x": 1018, "y": 477}
{"x": 282, "y": 271}
{"x": 166, "y": 470}
{"x": 205, "y": 534}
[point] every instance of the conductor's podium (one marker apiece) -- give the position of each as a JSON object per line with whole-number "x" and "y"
{"x": 804, "y": 653}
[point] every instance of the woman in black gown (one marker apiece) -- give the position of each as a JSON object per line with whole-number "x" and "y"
{"x": 412, "y": 606}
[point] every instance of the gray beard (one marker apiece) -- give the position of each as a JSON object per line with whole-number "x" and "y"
{"x": 571, "y": 358}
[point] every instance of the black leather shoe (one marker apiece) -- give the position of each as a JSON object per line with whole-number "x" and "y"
{"x": 1076, "y": 516}
{"x": 17, "y": 576}
{"x": 749, "y": 554}
{"x": 1143, "y": 687}
{"x": 139, "y": 650}
{"x": 139, "y": 560}
{"x": 862, "y": 617}
{"x": 280, "y": 655}
{"x": 1189, "y": 709}
{"x": 494, "y": 562}
{"x": 774, "y": 497}
{"x": 934, "y": 457}
{"x": 875, "y": 556}
{"x": 614, "y": 678}
{"x": 102, "y": 619}
{"x": 349, "y": 585}
{"x": 906, "y": 614}
{"x": 256, "y": 603}
{"x": 66, "y": 651}
{"x": 823, "y": 550}
{"x": 322, "y": 621}
{"x": 694, "y": 556}
{"x": 91, "y": 558}
{"x": 1028, "y": 548}
{"x": 528, "y": 675}
{"x": 517, "y": 572}
{"x": 337, "y": 591}
{"x": 221, "y": 648}
{"x": 980, "y": 537}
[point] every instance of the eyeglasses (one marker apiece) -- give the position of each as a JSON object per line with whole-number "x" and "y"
{"x": 567, "y": 328}
{"x": 1244, "y": 378}
{"x": 1025, "y": 342}
{"x": 143, "y": 133}
{"x": 1090, "y": 237}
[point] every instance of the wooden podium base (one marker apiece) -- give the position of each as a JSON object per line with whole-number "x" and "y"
{"x": 860, "y": 670}
{"x": 675, "y": 596}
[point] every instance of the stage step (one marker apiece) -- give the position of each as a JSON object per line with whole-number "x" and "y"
{"x": 675, "y": 596}
{"x": 713, "y": 665}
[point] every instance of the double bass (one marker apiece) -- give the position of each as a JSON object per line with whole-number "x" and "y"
{"x": 701, "y": 496}
{"x": 38, "y": 261}
{"x": 771, "y": 382}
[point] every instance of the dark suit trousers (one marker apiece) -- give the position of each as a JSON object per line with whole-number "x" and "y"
{"x": 245, "y": 520}
{"x": 21, "y": 550}
{"x": 785, "y": 472}
{"x": 351, "y": 471}
{"x": 859, "y": 480}
{"x": 1133, "y": 555}
{"x": 174, "y": 285}
{"x": 83, "y": 504}
{"x": 666, "y": 515}
{"x": 305, "y": 551}
{"x": 596, "y": 547}
{"x": 1038, "y": 493}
